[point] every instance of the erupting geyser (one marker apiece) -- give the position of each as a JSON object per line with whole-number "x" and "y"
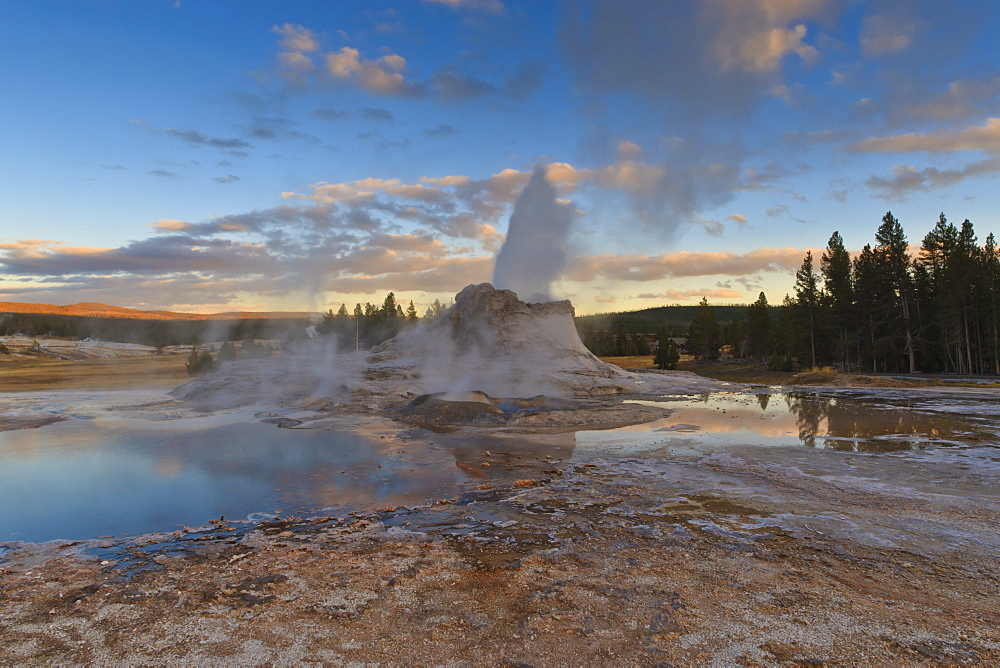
{"x": 504, "y": 341}
{"x": 534, "y": 253}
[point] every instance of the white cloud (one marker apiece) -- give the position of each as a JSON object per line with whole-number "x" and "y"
{"x": 763, "y": 51}
{"x": 985, "y": 137}
{"x": 296, "y": 38}
{"x": 382, "y": 76}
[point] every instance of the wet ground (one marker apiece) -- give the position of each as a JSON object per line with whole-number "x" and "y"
{"x": 85, "y": 476}
{"x": 763, "y": 528}
{"x": 849, "y": 421}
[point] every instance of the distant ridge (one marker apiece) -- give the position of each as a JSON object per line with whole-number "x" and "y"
{"x": 97, "y": 310}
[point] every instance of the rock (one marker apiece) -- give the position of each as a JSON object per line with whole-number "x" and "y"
{"x": 488, "y": 343}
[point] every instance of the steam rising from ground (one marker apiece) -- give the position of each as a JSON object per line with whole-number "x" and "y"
{"x": 534, "y": 253}
{"x": 489, "y": 341}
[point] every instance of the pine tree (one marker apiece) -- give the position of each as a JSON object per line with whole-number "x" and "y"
{"x": 807, "y": 298}
{"x": 835, "y": 266}
{"x": 666, "y": 352}
{"x": 435, "y": 310}
{"x": 704, "y": 335}
{"x": 892, "y": 253}
{"x": 411, "y": 313}
{"x": 760, "y": 337}
{"x": 869, "y": 287}
{"x": 389, "y": 306}
{"x": 990, "y": 263}
{"x": 227, "y": 352}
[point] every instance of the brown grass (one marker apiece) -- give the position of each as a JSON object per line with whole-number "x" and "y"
{"x": 632, "y": 362}
{"x": 155, "y": 371}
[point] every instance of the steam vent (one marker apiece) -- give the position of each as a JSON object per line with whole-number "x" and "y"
{"x": 489, "y": 341}
{"x": 493, "y": 342}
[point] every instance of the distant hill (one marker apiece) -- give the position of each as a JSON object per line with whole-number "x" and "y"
{"x": 675, "y": 319}
{"x": 98, "y": 310}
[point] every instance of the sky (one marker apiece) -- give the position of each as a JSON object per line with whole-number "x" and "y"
{"x": 204, "y": 156}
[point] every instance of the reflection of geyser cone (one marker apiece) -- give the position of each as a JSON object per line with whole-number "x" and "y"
{"x": 491, "y": 341}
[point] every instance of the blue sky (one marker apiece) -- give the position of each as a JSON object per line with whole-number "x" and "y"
{"x": 204, "y": 156}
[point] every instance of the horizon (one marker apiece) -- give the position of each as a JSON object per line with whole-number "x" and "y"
{"x": 214, "y": 157}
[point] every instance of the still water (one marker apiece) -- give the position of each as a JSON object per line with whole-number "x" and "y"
{"x": 839, "y": 421}
{"x": 87, "y": 478}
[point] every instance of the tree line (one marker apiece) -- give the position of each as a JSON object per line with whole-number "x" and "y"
{"x": 157, "y": 333}
{"x": 885, "y": 310}
{"x": 370, "y": 325}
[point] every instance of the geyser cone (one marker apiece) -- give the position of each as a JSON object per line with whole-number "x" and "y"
{"x": 491, "y": 341}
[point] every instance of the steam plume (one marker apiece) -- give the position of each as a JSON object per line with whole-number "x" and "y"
{"x": 534, "y": 253}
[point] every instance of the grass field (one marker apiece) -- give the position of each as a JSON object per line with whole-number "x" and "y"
{"x": 155, "y": 371}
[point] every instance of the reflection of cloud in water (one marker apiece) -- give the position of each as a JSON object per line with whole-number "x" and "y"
{"x": 169, "y": 466}
{"x": 90, "y": 478}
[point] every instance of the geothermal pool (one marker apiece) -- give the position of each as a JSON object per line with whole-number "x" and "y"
{"x": 81, "y": 479}
{"x": 848, "y": 421}
{"x": 111, "y": 476}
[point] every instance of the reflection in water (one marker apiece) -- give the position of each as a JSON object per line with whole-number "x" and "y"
{"x": 837, "y": 422}
{"x": 83, "y": 479}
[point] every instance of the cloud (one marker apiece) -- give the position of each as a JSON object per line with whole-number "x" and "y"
{"x": 737, "y": 218}
{"x": 162, "y": 173}
{"x": 700, "y": 68}
{"x": 168, "y": 225}
{"x": 195, "y": 137}
{"x": 441, "y": 131}
{"x": 460, "y": 206}
{"x": 272, "y": 127}
{"x": 388, "y": 74}
{"x": 763, "y": 51}
{"x": 296, "y": 38}
{"x": 381, "y": 76}
{"x": 885, "y": 34}
{"x": 437, "y": 233}
{"x": 451, "y": 85}
{"x": 827, "y": 136}
{"x": 985, "y": 137}
{"x": 330, "y": 114}
{"x": 782, "y": 210}
{"x": 685, "y": 295}
{"x": 297, "y": 43}
{"x": 229, "y": 178}
{"x": 376, "y": 114}
{"x": 490, "y": 6}
{"x": 683, "y": 263}
{"x": 963, "y": 100}
{"x": 906, "y": 179}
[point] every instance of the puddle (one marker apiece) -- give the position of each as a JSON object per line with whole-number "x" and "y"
{"x": 85, "y": 479}
{"x": 835, "y": 421}
{"x": 111, "y": 477}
